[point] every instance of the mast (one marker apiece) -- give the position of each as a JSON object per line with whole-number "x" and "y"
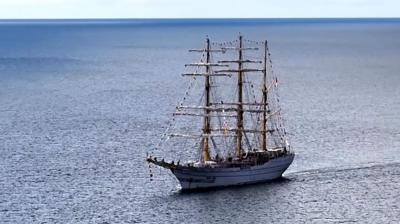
{"x": 238, "y": 107}
{"x": 240, "y": 101}
{"x": 206, "y": 125}
{"x": 264, "y": 100}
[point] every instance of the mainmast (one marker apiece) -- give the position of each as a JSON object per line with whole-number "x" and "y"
{"x": 264, "y": 100}
{"x": 240, "y": 102}
{"x": 206, "y": 126}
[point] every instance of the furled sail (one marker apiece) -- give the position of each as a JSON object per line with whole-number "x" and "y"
{"x": 231, "y": 106}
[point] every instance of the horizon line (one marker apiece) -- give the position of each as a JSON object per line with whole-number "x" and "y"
{"x": 209, "y": 18}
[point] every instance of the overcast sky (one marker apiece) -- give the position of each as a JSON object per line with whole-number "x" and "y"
{"x": 14, "y": 9}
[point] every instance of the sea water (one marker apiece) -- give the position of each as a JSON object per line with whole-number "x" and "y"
{"x": 81, "y": 102}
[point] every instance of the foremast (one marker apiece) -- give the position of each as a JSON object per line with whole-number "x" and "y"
{"x": 207, "y": 117}
{"x": 206, "y": 130}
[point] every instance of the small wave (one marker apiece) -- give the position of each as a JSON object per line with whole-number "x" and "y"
{"x": 337, "y": 170}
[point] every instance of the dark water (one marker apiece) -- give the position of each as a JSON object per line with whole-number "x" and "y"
{"x": 81, "y": 103}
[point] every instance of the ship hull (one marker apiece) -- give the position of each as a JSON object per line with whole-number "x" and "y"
{"x": 206, "y": 177}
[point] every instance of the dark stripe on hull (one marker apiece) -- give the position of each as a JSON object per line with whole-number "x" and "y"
{"x": 198, "y": 178}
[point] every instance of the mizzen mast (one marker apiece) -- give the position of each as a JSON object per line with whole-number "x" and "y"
{"x": 240, "y": 101}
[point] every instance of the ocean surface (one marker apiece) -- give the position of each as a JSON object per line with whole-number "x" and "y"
{"x": 81, "y": 102}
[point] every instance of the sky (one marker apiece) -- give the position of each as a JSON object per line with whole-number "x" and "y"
{"x": 78, "y": 9}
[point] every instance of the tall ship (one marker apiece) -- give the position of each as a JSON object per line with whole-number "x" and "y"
{"x": 228, "y": 129}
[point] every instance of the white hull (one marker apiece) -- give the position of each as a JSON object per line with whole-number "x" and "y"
{"x": 206, "y": 177}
